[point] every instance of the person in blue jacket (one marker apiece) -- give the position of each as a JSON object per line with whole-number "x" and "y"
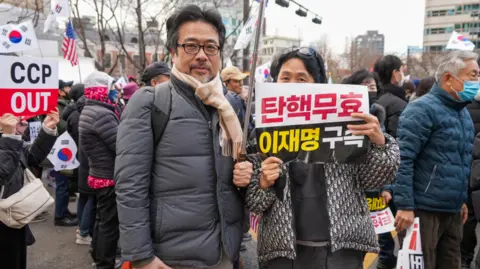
{"x": 435, "y": 134}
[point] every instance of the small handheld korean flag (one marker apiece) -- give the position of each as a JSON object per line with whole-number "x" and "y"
{"x": 62, "y": 155}
{"x": 17, "y": 37}
{"x": 460, "y": 42}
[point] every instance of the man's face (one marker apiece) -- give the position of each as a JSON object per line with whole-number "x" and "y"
{"x": 159, "y": 80}
{"x": 453, "y": 84}
{"x": 201, "y": 66}
{"x": 234, "y": 85}
{"x": 65, "y": 91}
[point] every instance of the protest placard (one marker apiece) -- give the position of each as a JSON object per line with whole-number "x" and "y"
{"x": 383, "y": 221}
{"x": 29, "y": 86}
{"x": 34, "y": 128}
{"x": 309, "y": 121}
{"x": 411, "y": 255}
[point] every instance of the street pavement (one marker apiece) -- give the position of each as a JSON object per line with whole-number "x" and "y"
{"x": 55, "y": 247}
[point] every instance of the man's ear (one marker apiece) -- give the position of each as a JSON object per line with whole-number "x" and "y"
{"x": 174, "y": 55}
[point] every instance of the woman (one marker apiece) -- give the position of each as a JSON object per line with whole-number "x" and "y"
{"x": 424, "y": 86}
{"x": 98, "y": 133}
{"x": 14, "y": 154}
{"x": 316, "y": 215}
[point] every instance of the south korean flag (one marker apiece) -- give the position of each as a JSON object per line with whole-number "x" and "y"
{"x": 17, "y": 37}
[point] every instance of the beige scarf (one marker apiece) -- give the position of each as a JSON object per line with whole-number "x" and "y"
{"x": 211, "y": 94}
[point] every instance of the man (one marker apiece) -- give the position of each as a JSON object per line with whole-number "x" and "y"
{"x": 177, "y": 204}
{"x": 390, "y": 72}
{"x": 63, "y": 217}
{"x": 436, "y": 134}
{"x": 233, "y": 79}
{"x": 156, "y": 73}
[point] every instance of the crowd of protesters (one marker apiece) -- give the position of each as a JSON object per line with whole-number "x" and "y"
{"x": 161, "y": 184}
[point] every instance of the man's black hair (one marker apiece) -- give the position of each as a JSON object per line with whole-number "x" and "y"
{"x": 192, "y": 13}
{"x": 385, "y": 66}
{"x": 314, "y": 65}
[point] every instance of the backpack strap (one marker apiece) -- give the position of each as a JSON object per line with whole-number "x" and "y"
{"x": 162, "y": 106}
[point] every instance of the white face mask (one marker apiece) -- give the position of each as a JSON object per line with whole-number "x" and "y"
{"x": 402, "y": 80}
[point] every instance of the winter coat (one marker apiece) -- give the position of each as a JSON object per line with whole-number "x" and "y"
{"x": 98, "y": 134}
{"x": 350, "y": 224}
{"x": 11, "y": 171}
{"x": 72, "y": 116}
{"x": 394, "y": 101}
{"x": 435, "y": 134}
{"x": 176, "y": 200}
{"x": 474, "y": 110}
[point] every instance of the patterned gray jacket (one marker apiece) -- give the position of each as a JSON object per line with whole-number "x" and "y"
{"x": 350, "y": 224}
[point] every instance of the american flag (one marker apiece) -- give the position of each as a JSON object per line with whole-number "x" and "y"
{"x": 69, "y": 47}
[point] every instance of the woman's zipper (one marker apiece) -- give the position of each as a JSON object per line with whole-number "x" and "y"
{"x": 431, "y": 178}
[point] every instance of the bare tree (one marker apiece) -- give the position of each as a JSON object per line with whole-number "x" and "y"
{"x": 332, "y": 62}
{"x": 423, "y": 65}
{"x": 23, "y": 10}
{"x": 358, "y": 58}
{"x": 103, "y": 18}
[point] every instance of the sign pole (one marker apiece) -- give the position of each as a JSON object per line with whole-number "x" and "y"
{"x": 248, "y": 112}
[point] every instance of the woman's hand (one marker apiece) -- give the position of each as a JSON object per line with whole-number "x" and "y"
{"x": 52, "y": 120}
{"x": 371, "y": 128}
{"x": 8, "y": 123}
{"x": 271, "y": 169}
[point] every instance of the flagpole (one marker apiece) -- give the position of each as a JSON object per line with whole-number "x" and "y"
{"x": 248, "y": 112}
{"x": 79, "y": 72}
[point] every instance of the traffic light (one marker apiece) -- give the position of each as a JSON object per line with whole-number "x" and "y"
{"x": 301, "y": 13}
{"x": 317, "y": 20}
{"x": 282, "y": 3}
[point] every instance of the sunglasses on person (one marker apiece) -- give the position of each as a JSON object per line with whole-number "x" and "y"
{"x": 305, "y": 51}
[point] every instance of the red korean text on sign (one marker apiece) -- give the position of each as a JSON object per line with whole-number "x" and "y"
{"x": 351, "y": 103}
{"x": 381, "y": 219}
{"x": 299, "y": 106}
{"x": 272, "y": 112}
{"x": 324, "y": 104}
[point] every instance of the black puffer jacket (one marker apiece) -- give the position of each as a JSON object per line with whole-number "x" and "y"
{"x": 394, "y": 101}
{"x": 98, "y": 134}
{"x": 474, "y": 110}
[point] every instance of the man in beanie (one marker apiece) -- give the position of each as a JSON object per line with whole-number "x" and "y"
{"x": 156, "y": 73}
{"x": 177, "y": 197}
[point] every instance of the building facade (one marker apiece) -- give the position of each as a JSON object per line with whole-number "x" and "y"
{"x": 442, "y": 17}
{"x": 273, "y": 45}
{"x": 371, "y": 43}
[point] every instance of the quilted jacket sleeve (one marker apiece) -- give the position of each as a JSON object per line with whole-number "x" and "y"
{"x": 106, "y": 127}
{"x": 10, "y": 152}
{"x": 380, "y": 166}
{"x": 38, "y": 152}
{"x": 414, "y": 130}
{"x": 133, "y": 172}
{"x": 475, "y": 168}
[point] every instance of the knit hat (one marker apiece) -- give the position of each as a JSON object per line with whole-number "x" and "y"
{"x": 129, "y": 90}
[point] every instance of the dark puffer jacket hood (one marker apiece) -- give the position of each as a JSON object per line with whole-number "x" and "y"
{"x": 395, "y": 90}
{"x": 76, "y": 92}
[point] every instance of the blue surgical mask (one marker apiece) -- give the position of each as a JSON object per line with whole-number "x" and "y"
{"x": 112, "y": 95}
{"x": 470, "y": 89}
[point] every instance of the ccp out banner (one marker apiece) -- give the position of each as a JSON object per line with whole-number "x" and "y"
{"x": 29, "y": 86}
{"x": 309, "y": 122}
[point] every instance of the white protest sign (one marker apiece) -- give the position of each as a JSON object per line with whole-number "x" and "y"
{"x": 287, "y": 104}
{"x": 411, "y": 255}
{"x": 34, "y": 128}
{"x": 29, "y": 86}
{"x": 383, "y": 221}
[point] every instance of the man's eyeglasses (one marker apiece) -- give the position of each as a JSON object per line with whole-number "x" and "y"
{"x": 192, "y": 48}
{"x": 302, "y": 50}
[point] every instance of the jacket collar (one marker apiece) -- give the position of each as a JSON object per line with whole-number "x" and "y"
{"x": 446, "y": 98}
{"x": 91, "y": 102}
{"x": 395, "y": 90}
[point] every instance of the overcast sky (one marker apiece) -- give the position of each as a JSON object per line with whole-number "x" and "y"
{"x": 400, "y": 21}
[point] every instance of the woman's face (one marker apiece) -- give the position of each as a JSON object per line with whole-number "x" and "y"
{"x": 294, "y": 71}
{"x": 370, "y": 83}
